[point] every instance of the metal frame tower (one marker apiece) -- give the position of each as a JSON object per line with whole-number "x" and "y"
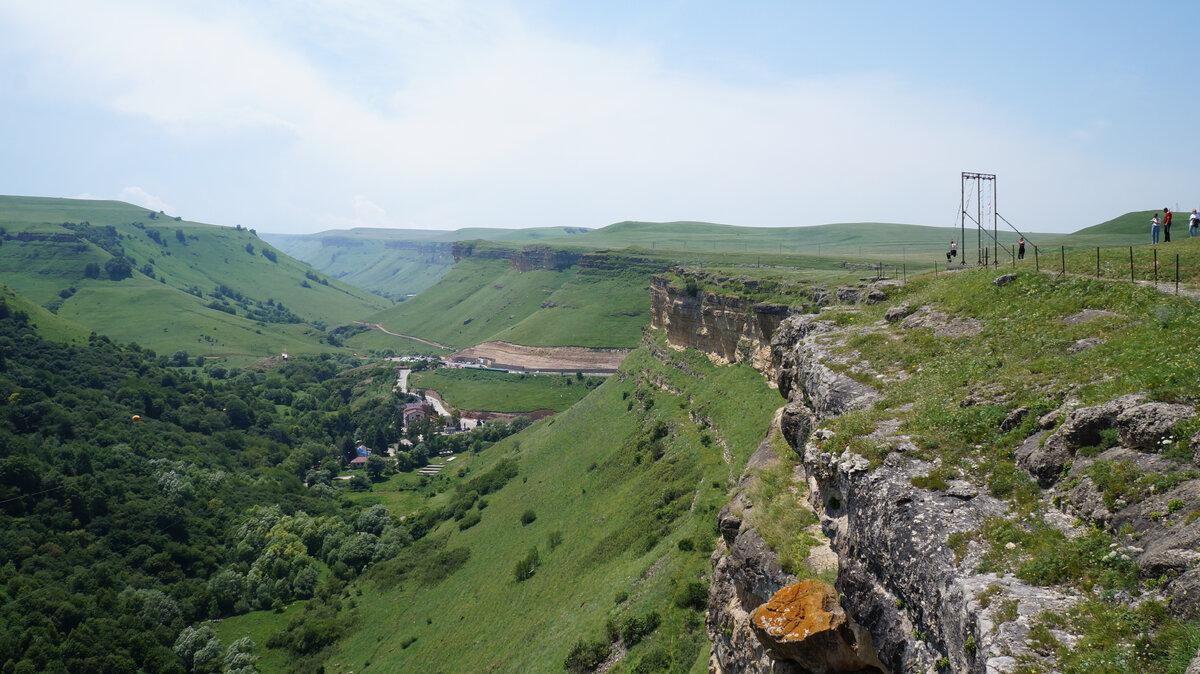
{"x": 981, "y": 186}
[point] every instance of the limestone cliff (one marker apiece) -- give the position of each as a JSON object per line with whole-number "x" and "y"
{"x": 730, "y": 324}
{"x": 728, "y": 328}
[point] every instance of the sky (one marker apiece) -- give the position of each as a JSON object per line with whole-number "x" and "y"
{"x": 296, "y": 116}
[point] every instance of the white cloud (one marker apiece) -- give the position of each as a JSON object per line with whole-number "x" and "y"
{"x": 140, "y": 197}
{"x": 364, "y": 213}
{"x": 452, "y": 114}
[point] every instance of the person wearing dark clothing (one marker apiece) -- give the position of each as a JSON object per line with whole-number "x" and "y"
{"x": 952, "y": 253}
{"x": 1166, "y": 225}
{"x": 1021, "y": 248}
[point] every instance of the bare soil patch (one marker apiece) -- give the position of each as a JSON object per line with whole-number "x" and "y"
{"x": 543, "y": 358}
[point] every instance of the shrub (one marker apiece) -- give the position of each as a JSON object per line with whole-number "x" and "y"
{"x": 586, "y": 656}
{"x": 692, "y": 594}
{"x": 528, "y": 517}
{"x": 527, "y": 566}
{"x": 635, "y": 628}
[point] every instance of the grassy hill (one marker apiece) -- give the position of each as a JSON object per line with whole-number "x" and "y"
{"x": 483, "y": 299}
{"x": 185, "y": 285}
{"x": 860, "y": 240}
{"x": 48, "y": 325}
{"x": 1130, "y": 229}
{"x": 395, "y": 263}
{"x": 609, "y": 516}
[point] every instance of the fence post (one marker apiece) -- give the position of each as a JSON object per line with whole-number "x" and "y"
{"x": 1176, "y": 273}
{"x": 904, "y": 271}
{"x": 1156, "y": 269}
{"x": 1063, "y": 251}
{"x": 1097, "y": 261}
{"x": 1037, "y": 265}
{"x": 1131, "y": 264}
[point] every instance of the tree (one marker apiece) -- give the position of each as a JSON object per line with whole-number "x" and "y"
{"x": 180, "y": 236}
{"x": 118, "y": 268}
{"x": 91, "y": 270}
{"x": 375, "y": 467}
{"x": 375, "y": 519}
{"x": 240, "y": 658}
{"x": 198, "y": 646}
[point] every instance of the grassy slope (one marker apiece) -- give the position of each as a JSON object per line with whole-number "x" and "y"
{"x": 503, "y": 392}
{"x": 49, "y": 326}
{"x": 612, "y": 539}
{"x": 870, "y": 240}
{"x": 209, "y": 256}
{"x": 482, "y": 300}
{"x": 369, "y": 258}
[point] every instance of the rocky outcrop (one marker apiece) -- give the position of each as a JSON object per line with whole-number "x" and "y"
{"x": 745, "y": 575}
{"x": 544, "y": 257}
{"x": 1139, "y": 425}
{"x": 802, "y": 375}
{"x": 728, "y": 328}
{"x": 805, "y": 624}
{"x": 924, "y": 605}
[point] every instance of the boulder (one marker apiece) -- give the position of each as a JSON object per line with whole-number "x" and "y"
{"x": 874, "y": 296}
{"x": 1185, "y": 595}
{"x": 1080, "y": 428}
{"x": 848, "y": 295}
{"x": 1014, "y": 417}
{"x": 729, "y": 523}
{"x": 796, "y": 424}
{"x": 805, "y": 624}
{"x": 1145, "y": 426}
{"x": 897, "y": 312}
{"x": 1004, "y": 280}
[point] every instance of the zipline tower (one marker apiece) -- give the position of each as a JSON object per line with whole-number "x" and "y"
{"x": 980, "y": 187}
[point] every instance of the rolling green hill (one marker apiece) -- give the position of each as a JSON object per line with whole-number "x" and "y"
{"x": 1130, "y": 229}
{"x": 609, "y": 515}
{"x": 395, "y": 263}
{"x": 168, "y": 283}
{"x": 484, "y": 299}
{"x": 49, "y": 326}
{"x": 860, "y": 240}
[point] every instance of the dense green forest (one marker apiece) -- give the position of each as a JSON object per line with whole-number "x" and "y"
{"x": 139, "y": 499}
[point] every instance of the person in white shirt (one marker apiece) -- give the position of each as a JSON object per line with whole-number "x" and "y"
{"x": 1193, "y": 222}
{"x": 1154, "y": 229}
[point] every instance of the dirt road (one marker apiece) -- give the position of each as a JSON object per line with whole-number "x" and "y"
{"x": 379, "y": 327}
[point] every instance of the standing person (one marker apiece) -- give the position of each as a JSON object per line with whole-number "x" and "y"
{"x": 1166, "y": 225}
{"x": 1154, "y": 229}
{"x": 1021, "y": 248}
{"x": 953, "y": 252}
{"x": 1193, "y": 222}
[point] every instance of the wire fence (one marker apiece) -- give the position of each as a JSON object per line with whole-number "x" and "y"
{"x": 1145, "y": 264}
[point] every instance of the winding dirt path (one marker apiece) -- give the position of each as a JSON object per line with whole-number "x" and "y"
{"x": 379, "y": 327}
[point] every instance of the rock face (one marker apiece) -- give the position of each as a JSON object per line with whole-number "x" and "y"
{"x": 745, "y": 575}
{"x": 728, "y": 328}
{"x": 919, "y": 600}
{"x": 805, "y": 624}
{"x": 800, "y": 369}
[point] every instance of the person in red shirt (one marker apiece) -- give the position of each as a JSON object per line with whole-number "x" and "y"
{"x": 1166, "y": 225}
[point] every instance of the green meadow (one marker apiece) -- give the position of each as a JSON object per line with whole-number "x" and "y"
{"x": 188, "y": 286}
{"x": 470, "y": 389}
{"x": 611, "y": 499}
{"x": 484, "y": 299}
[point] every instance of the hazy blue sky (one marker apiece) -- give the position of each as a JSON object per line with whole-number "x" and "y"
{"x": 302, "y": 115}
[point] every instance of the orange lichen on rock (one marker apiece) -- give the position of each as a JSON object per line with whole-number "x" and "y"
{"x": 804, "y": 623}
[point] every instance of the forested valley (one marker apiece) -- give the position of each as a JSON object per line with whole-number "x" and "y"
{"x": 139, "y": 499}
